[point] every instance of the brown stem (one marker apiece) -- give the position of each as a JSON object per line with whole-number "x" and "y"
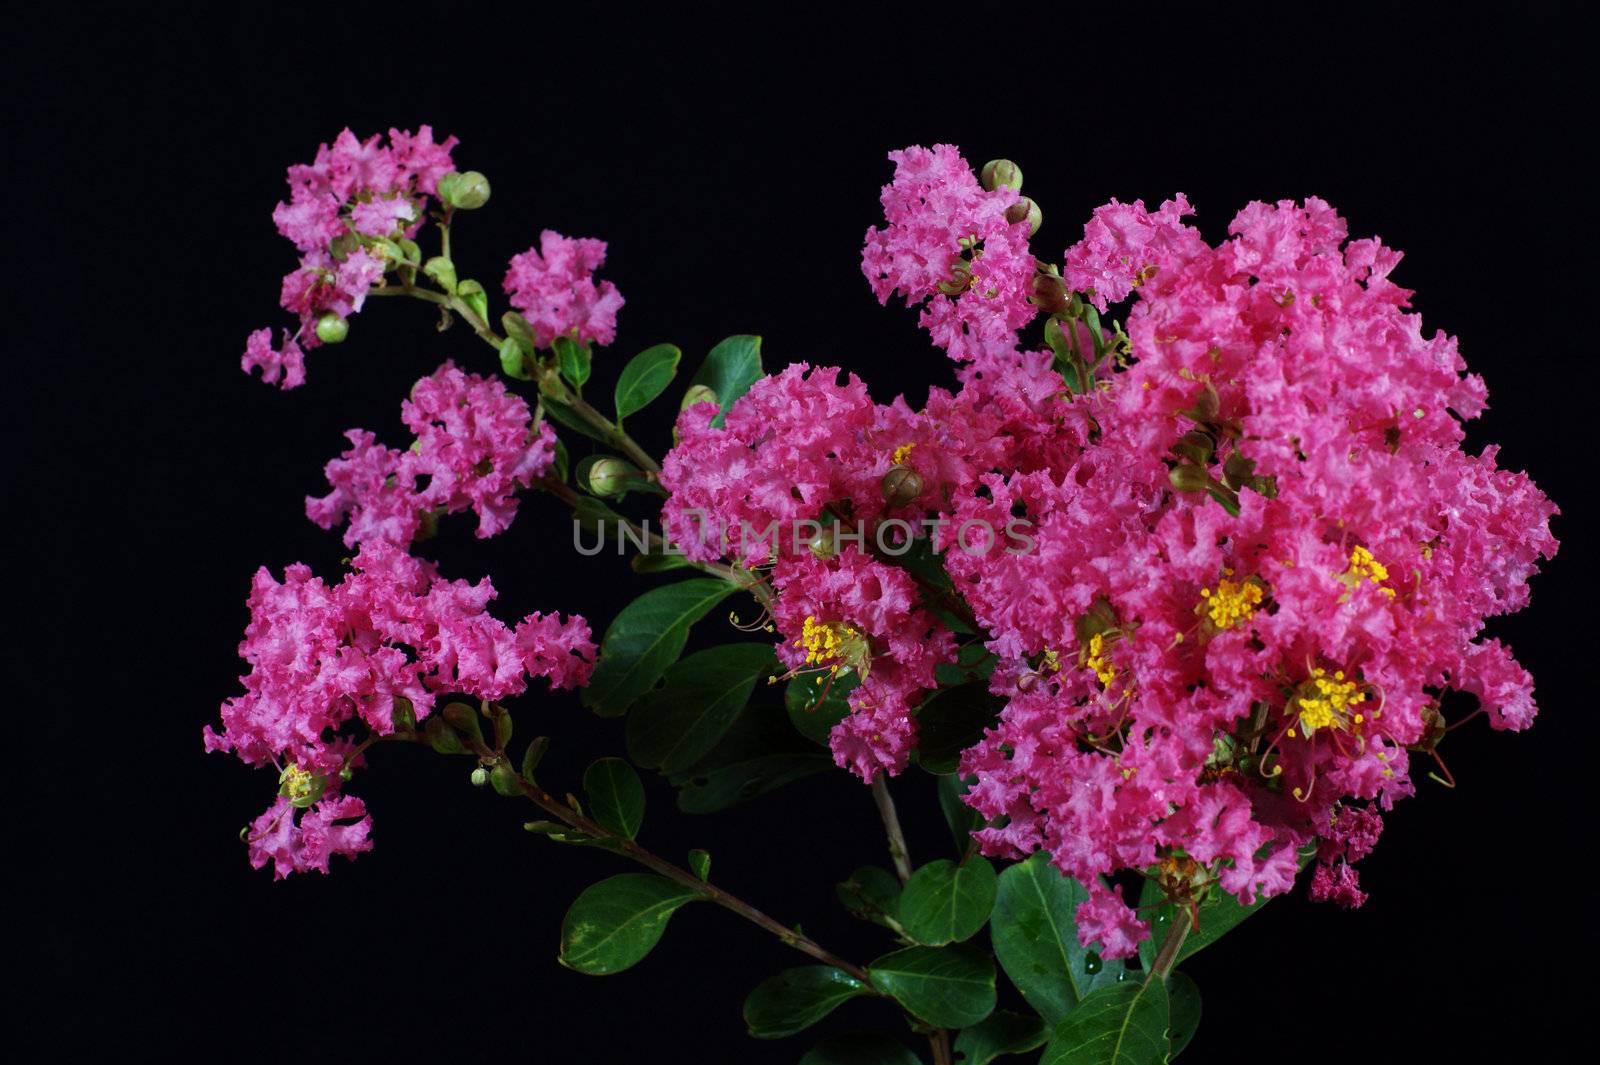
{"x": 1167, "y": 956}
{"x": 710, "y": 892}
{"x": 891, "y": 827}
{"x": 938, "y": 1038}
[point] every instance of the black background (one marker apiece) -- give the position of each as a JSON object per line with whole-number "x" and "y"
{"x": 733, "y": 163}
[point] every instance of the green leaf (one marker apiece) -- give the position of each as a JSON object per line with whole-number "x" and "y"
{"x": 464, "y": 719}
{"x": 442, "y": 738}
{"x": 962, "y": 819}
{"x": 616, "y": 798}
{"x": 646, "y": 638}
{"x": 645, "y": 377}
{"x": 443, "y": 271}
{"x": 759, "y": 753}
{"x": 944, "y": 902}
{"x": 1002, "y": 1032}
{"x": 564, "y": 415}
{"x": 815, "y": 708}
{"x": 502, "y": 726}
{"x": 1036, "y": 940}
{"x": 1184, "y": 997}
{"x": 562, "y": 463}
{"x": 614, "y": 923}
{"x": 872, "y": 894}
{"x": 796, "y": 999}
{"x": 471, "y": 293}
{"x": 574, "y": 359}
{"x": 513, "y": 361}
{"x": 505, "y": 781}
{"x": 675, "y": 724}
{"x": 1219, "y": 914}
{"x": 864, "y": 1049}
{"x": 950, "y": 721}
{"x": 657, "y": 563}
{"x": 516, "y": 327}
{"x": 729, "y": 370}
{"x": 949, "y": 987}
{"x": 700, "y": 862}
{"x": 533, "y": 755}
{"x": 1124, "y": 1024}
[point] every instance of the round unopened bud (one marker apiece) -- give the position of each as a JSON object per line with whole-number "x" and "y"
{"x": 1027, "y": 682}
{"x": 823, "y": 546}
{"x": 331, "y": 329}
{"x": 900, "y": 485}
{"x": 698, "y": 394}
{"x": 465, "y": 192}
{"x": 998, "y": 172}
{"x": 1025, "y": 208}
{"x": 960, "y": 278}
{"x": 1050, "y": 293}
{"x": 609, "y": 477}
{"x": 480, "y": 777}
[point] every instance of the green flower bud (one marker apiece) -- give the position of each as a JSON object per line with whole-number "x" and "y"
{"x": 823, "y": 546}
{"x": 331, "y": 329}
{"x": 1050, "y": 293}
{"x": 998, "y": 172}
{"x": 609, "y": 477}
{"x": 480, "y": 777}
{"x": 900, "y": 485}
{"x": 1026, "y": 209}
{"x": 1187, "y": 478}
{"x": 465, "y": 192}
{"x": 698, "y": 394}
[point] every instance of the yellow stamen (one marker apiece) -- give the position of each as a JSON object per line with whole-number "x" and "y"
{"x": 901, "y": 453}
{"x": 1232, "y": 602}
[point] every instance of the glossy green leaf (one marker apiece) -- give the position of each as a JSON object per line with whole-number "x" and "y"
{"x": 646, "y": 376}
{"x": 657, "y": 563}
{"x": 1000, "y": 1033}
{"x": 562, "y": 462}
{"x": 442, "y": 738}
{"x": 729, "y": 370}
{"x": 472, "y": 294}
{"x": 616, "y": 922}
{"x": 464, "y": 719}
{"x": 574, "y": 358}
{"x": 1124, "y": 1024}
{"x": 944, "y": 902}
{"x": 950, "y": 987}
{"x": 759, "y": 753}
{"x": 816, "y": 708}
{"x": 513, "y": 360}
{"x": 675, "y": 724}
{"x": 962, "y": 819}
{"x": 1184, "y": 1001}
{"x": 564, "y": 415}
{"x": 872, "y": 894}
{"x": 950, "y": 721}
{"x": 1036, "y": 940}
{"x": 616, "y": 797}
{"x": 646, "y": 638}
{"x": 533, "y": 755}
{"x": 796, "y": 999}
{"x": 700, "y": 862}
{"x": 864, "y": 1049}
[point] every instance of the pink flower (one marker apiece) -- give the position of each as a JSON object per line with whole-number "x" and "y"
{"x": 287, "y": 365}
{"x": 1124, "y": 246}
{"x": 554, "y": 288}
{"x": 326, "y": 660}
{"x": 474, "y": 449}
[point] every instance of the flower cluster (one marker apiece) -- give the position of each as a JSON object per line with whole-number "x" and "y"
{"x": 366, "y": 654}
{"x": 554, "y": 288}
{"x": 1257, "y": 554}
{"x": 1252, "y": 589}
{"x": 474, "y": 448}
{"x": 344, "y": 214}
